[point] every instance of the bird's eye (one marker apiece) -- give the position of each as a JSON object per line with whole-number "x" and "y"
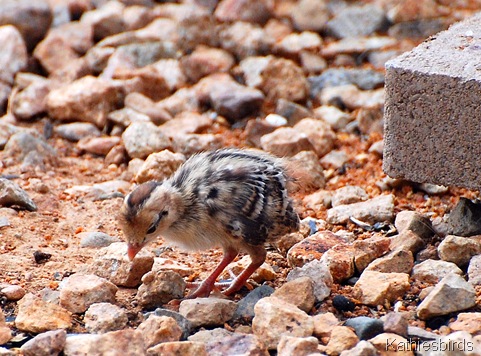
{"x": 155, "y": 224}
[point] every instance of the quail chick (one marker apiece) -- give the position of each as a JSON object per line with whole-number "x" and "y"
{"x": 230, "y": 198}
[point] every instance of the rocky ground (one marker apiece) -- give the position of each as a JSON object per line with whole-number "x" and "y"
{"x": 98, "y": 96}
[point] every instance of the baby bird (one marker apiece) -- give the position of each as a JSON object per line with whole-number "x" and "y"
{"x": 230, "y": 198}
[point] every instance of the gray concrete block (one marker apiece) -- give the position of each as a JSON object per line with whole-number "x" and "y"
{"x": 433, "y": 109}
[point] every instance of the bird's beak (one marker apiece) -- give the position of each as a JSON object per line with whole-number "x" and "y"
{"x": 132, "y": 250}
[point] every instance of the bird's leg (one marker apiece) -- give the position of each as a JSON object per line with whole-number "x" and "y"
{"x": 208, "y": 284}
{"x": 258, "y": 256}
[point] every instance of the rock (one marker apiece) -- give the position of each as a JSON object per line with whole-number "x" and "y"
{"x": 357, "y": 21}
{"x": 399, "y": 261}
{"x": 165, "y": 264}
{"x": 145, "y": 107}
{"x": 296, "y": 43}
{"x": 13, "y": 57}
{"x": 114, "y": 342}
{"x": 143, "y": 138}
{"x": 12, "y": 195}
{"x": 364, "y": 327}
{"x": 323, "y": 325}
{"x": 290, "y": 345}
{"x": 87, "y": 99}
{"x": 264, "y": 273}
{"x": 124, "y": 117}
{"x": 336, "y": 118}
{"x": 432, "y": 271}
{"x": 378, "y": 209}
{"x": 159, "y": 329}
{"x": 184, "y": 324}
{"x": 340, "y": 261}
{"x": 342, "y": 338}
{"x": 407, "y": 240}
{"x": 310, "y": 15}
{"x": 348, "y": 195}
{"x": 363, "y": 348}
{"x": 189, "y": 144}
{"x": 96, "y": 239}
{"x": 178, "y": 348}
{"x": 299, "y": 292}
{"x": 112, "y": 263}
{"x": 450, "y": 295}
{"x": 458, "y": 250}
{"x": 54, "y": 52}
{"x": 387, "y": 343}
{"x": 318, "y": 133}
{"x": 36, "y": 316}
{"x": 31, "y": 19}
{"x": 106, "y": 20}
{"x": 474, "y": 270}
{"x": 291, "y": 111}
{"x": 79, "y": 291}
{"x": 186, "y": 123}
{"x": 237, "y": 344}
{"x": 244, "y": 10}
{"x": 12, "y": 292}
{"x": 366, "y": 251}
{"x": 159, "y": 288}
{"x": 356, "y": 45}
{"x": 101, "y": 191}
{"x": 47, "y": 343}
{"x": 343, "y": 304}
{"x": 104, "y": 317}
{"x": 159, "y": 166}
{"x": 376, "y": 288}
{"x": 76, "y": 131}
{"x": 213, "y": 335}
{"x": 243, "y": 39}
{"x": 335, "y": 159}
{"x": 465, "y": 218}
{"x": 433, "y": 189}
{"x": 286, "y": 141}
{"x": 351, "y": 97}
{"x": 366, "y": 79}
{"x": 207, "y": 311}
{"x": 245, "y": 306}
{"x": 414, "y": 221}
{"x": 205, "y": 61}
{"x": 100, "y": 146}
{"x": 319, "y": 274}
{"x": 470, "y": 322}
{"x": 275, "y": 317}
{"x": 30, "y": 150}
{"x": 5, "y": 332}
{"x": 396, "y": 323}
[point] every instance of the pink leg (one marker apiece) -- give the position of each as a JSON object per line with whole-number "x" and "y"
{"x": 208, "y": 284}
{"x": 258, "y": 256}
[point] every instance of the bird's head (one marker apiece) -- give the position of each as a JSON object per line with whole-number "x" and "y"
{"x": 146, "y": 212}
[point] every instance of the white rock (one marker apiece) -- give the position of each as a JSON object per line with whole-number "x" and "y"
{"x": 104, "y": 317}
{"x": 207, "y": 311}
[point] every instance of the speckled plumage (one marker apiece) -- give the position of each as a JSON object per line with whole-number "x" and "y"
{"x": 230, "y": 198}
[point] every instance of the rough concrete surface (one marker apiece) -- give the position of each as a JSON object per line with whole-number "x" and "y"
{"x": 432, "y": 113}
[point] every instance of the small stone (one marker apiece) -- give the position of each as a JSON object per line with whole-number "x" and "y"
{"x": 356, "y": 45}
{"x": 400, "y": 261}
{"x": 243, "y": 39}
{"x": 348, "y": 195}
{"x": 165, "y": 264}
{"x": 465, "y": 218}
{"x": 336, "y": 118}
{"x": 125, "y": 116}
{"x": 95, "y": 239}
{"x": 299, "y": 292}
{"x": 54, "y": 52}
{"x": 12, "y": 195}
{"x": 309, "y": 173}
{"x": 351, "y": 97}
{"x": 414, "y": 221}
{"x": 458, "y": 250}
{"x": 396, "y": 323}
{"x": 184, "y": 324}
{"x": 366, "y": 251}
{"x": 76, "y": 131}
{"x": 88, "y": 99}
{"x": 145, "y": 108}
{"x": 474, "y": 270}
{"x": 407, "y": 240}
{"x": 205, "y": 61}
{"x": 343, "y": 304}
{"x": 12, "y": 292}
{"x": 143, "y": 138}
{"x": 114, "y": 343}
{"x": 187, "y": 123}
{"x": 450, "y": 295}
{"x": 255, "y": 129}
{"x": 432, "y": 271}
{"x": 14, "y": 53}
{"x": 245, "y": 306}
{"x": 47, "y": 343}
{"x": 30, "y": 102}
{"x": 357, "y": 21}
{"x": 364, "y": 327}
{"x": 275, "y": 317}
{"x": 106, "y": 20}
{"x": 5, "y": 332}
{"x": 104, "y": 317}
{"x": 340, "y": 261}
{"x": 159, "y": 166}
{"x": 207, "y": 311}
{"x": 29, "y": 149}
{"x": 378, "y": 209}
{"x": 286, "y": 141}
{"x": 319, "y": 134}
{"x": 433, "y": 189}
{"x": 334, "y": 159}
{"x": 159, "y": 288}
{"x": 112, "y": 263}
{"x": 310, "y": 15}
{"x": 321, "y": 198}
{"x": 363, "y": 348}
{"x": 376, "y": 288}
{"x": 213, "y": 335}
{"x": 323, "y": 325}
{"x": 159, "y": 329}
{"x": 244, "y": 10}
{"x": 387, "y": 343}
{"x": 291, "y": 111}
{"x": 178, "y": 348}
{"x": 36, "y": 316}
{"x": 342, "y": 338}
{"x": 470, "y": 322}
{"x": 101, "y": 191}
{"x": 319, "y": 274}
{"x": 41, "y": 257}
{"x": 291, "y": 345}
{"x": 98, "y": 145}
{"x": 295, "y": 43}
{"x": 237, "y": 344}
{"x": 79, "y": 291}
